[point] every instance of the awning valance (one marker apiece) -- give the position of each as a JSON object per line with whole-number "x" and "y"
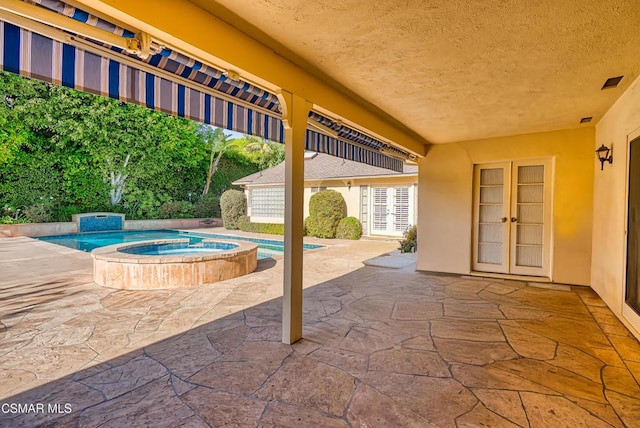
{"x": 30, "y": 54}
{"x": 168, "y": 81}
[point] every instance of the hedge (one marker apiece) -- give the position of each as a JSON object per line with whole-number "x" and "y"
{"x": 272, "y": 228}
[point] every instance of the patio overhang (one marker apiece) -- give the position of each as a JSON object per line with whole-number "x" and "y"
{"x": 59, "y": 43}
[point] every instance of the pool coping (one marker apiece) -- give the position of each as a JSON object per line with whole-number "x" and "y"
{"x": 114, "y": 253}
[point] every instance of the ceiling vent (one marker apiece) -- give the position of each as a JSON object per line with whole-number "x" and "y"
{"x": 586, "y": 119}
{"x": 612, "y": 82}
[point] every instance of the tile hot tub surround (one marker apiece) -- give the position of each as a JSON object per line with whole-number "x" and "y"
{"x": 118, "y": 266}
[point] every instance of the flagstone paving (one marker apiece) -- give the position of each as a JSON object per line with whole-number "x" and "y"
{"x": 382, "y": 347}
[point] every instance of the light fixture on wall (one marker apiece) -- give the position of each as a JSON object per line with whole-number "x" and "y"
{"x": 604, "y": 154}
{"x": 349, "y": 185}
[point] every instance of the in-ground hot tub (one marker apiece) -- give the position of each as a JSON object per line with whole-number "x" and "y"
{"x": 171, "y": 263}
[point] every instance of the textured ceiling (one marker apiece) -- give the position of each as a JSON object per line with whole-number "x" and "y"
{"x": 455, "y": 70}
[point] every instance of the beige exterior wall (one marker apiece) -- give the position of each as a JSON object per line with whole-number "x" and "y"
{"x": 351, "y": 194}
{"x": 619, "y": 126}
{"x": 446, "y": 197}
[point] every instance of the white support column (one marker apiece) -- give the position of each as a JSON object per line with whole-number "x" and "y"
{"x": 295, "y": 113}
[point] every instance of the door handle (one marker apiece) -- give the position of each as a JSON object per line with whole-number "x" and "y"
{"x": 513, "y": 219}
{"x": 503, "y": 219}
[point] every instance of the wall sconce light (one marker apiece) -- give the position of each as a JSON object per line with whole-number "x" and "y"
{"x": 348, "y": 185}
{"x": 604, "y": 155}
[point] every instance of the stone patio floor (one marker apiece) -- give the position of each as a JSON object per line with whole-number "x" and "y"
{"x": 382, "y": 347}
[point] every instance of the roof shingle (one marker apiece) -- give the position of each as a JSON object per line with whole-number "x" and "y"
{"x": 324, "y": 167}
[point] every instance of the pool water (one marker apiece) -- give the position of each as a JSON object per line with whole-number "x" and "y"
{"x": 90, "y": 241}
{"x": 179, "y": 248}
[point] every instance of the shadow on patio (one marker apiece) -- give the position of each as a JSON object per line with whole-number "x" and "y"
{"x": 383, "y": 348}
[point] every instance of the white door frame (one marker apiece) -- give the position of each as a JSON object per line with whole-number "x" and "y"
{"x": 390, "y": 208}
{"x": 510, "y": 212}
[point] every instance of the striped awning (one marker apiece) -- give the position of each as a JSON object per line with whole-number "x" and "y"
{"x": 169, "y": 81}
{"x": 319, "y": 142}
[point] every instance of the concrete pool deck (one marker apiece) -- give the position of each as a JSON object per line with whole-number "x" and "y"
{"x": 382, "y": 347}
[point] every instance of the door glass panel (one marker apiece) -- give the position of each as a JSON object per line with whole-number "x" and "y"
{"x": 632, "y": 292}
{"x": 490, "y": 253}
{"x": 530, "y": 256}
{"x": 492, "y": 177}
{"x": 529, "y": 234}
{"x": 490, "y": 233}
{"x": 491, "y": 195}
{"x": 531, "y": 193}
{"x": 530, "y": 216}
{"x": 531, "y": 174}
{"x": 490, "y": 213}
{"x": 531, "y": 213}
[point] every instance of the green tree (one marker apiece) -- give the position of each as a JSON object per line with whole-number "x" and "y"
{"x": 219, "y": 143}
{"x": 79, "y": 140}
{"x": 83, "y": 152}
{"x": 262, "y": 152}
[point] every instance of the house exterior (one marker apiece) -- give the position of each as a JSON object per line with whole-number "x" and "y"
{"x": 384, "y": 201}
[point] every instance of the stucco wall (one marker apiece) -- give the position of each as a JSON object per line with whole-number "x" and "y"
{"x": 618, "y": 127}
{"x": 350, "y": 194}
{"x": 446, "y": 197}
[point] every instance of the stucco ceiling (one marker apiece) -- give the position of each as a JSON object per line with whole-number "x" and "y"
{"x": 455, "y": 70}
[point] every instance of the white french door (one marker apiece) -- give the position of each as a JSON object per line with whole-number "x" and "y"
{"x": 391, "y": 210}
{"x": 512, "y": 217}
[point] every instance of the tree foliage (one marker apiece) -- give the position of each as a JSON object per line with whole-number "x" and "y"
{"x": 80, "y": 152}
{"x": 262, "y": 152}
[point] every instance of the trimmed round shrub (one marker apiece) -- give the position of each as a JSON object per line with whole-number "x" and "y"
{"x": 349, "y": 228}
{"x": 326, "y": 209}
{"x": 327, "y": 203}
{"x": 208, "y": 206}
{"x": 233, "y": 205}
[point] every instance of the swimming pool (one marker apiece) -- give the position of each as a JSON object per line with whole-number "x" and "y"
{"x": 90, "y": 241}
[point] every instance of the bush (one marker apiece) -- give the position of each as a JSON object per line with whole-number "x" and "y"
{"x": 326, "y": 209}
{"x": 233, "y": 204}
{"x": 177, "y": 209}
{"x": 208, "y": 206}
{"x": 140, "y": 204}
{"x": 271, "y": 228}
{"x": 410, "y": 242}
{"x": 327, "y": 203}
{"x": 38, "y": 213}
{"x": 243, "y": 219}
{"x": 10, "y": 215}
{"x": 305, "y": 226}
{"x": 64, "y": 213}
{"x": 349, "y": 228}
